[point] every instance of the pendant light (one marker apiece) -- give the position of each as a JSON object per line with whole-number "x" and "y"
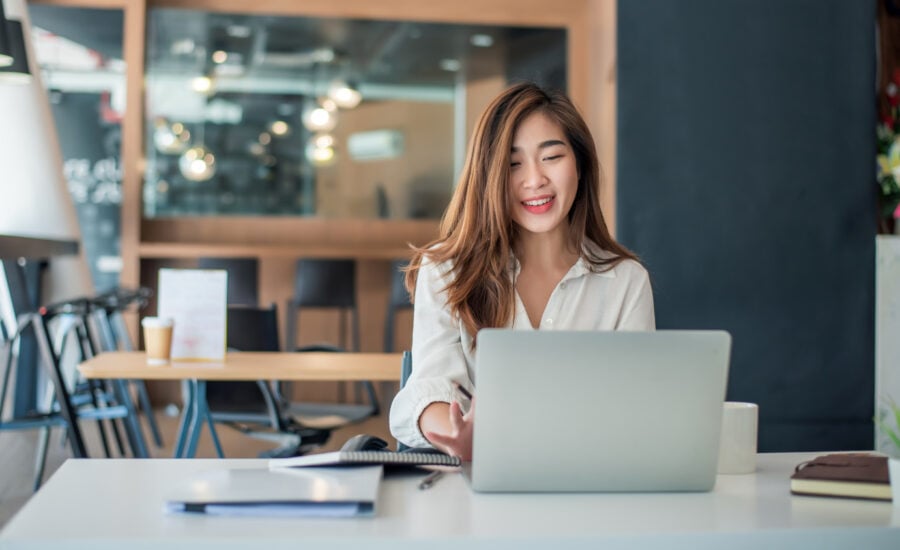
{"x": 345, "y": 93}
{"x": 34, "y": 197}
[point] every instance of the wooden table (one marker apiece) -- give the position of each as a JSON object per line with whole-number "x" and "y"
{"x": 239, "y": 366}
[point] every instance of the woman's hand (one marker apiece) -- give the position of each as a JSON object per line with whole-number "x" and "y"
{"x": 448, "y": 429}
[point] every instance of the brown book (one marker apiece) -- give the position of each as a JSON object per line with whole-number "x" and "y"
{"x": 849, "y": 475}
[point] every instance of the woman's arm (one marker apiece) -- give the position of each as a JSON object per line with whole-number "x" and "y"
{"x": 438, "y": 362}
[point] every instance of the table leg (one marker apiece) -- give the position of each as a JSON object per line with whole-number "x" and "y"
{"x": 201, "y": 414}
{"x": 187, "y": 418}
{"x": 132, "y": 423}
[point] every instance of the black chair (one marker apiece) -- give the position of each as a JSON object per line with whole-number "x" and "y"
{"x": 243, "y": 278}
{"x": 89, "y": 401}
{"x": 252, "y": 407}
{"x": 329, "y": 284}
{"x": 399, "y": 300}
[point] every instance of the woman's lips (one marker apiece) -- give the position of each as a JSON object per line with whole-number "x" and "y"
{"x": 539, "y": 205}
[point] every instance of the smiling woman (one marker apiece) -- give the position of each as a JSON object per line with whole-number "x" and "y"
{"x": 523, "y": 245}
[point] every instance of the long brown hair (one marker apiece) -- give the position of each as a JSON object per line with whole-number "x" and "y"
{"x": 477, "y": 232}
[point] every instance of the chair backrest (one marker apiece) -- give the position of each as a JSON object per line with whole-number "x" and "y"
{"x": 405, "y": 371}
{"x": 324, "y": 283}
{"x": 399, "y": 299}
{"x": 243, "y": 278}
{"x": 249, "y": 328}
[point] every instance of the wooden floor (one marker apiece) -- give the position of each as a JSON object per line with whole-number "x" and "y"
{"x": 18, "y": 450}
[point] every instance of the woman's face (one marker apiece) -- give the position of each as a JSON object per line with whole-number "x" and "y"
{"x": 543, "y": 177}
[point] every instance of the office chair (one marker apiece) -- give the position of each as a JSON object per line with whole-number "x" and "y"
{"x": 399, "y": 300}
{"x": 106, "y": 315}
{"x": 405, "y": 372}
{"x": 252, "y": 407}
{"x": 322, "y": 283}
{"x": 243, "y": 278}
{"x": 62, "y": 407}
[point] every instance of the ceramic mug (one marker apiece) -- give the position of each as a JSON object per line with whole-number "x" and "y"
{"x": 737, "y": 444}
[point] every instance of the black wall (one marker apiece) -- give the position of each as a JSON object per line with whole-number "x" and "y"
{"x": 746, "y": 158}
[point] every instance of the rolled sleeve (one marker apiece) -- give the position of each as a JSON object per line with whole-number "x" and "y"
{"x": 438, "y": 357}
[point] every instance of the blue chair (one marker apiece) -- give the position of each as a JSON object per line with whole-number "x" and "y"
{"x": 405, "y": 372}
{"x": 398, "y": 301}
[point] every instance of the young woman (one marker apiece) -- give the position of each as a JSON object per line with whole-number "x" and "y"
{"x": 523, "y": 245}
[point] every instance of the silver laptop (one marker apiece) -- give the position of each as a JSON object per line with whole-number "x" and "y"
{"x": 598, "y": 411}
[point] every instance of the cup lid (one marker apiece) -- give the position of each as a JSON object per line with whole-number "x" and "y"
{"x": 157, "y": 322}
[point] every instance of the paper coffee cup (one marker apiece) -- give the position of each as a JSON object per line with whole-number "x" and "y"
{"x": 737, "y": 444}
{"x": 158, "y": 339}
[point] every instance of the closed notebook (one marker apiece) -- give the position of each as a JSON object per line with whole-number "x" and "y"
{"x": 386, "y": 458}
{"x": 850, "y": 475}
{"x": 307, "y": 492}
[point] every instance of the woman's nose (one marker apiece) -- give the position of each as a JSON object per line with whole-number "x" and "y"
{"x": 534, "y": 176}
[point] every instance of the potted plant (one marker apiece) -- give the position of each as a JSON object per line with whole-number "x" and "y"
{"x": 887, "y": 422}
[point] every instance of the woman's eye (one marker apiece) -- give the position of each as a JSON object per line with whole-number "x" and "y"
{"x": 554, "y": 157}
{"x": 514, "y": 164}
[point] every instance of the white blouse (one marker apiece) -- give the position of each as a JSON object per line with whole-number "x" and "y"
{"x": 618, "y": 299}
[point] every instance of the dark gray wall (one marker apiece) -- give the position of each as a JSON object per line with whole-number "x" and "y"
{"x": 746, "y": 182}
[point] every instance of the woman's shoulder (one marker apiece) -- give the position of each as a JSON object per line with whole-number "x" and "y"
{"x": 432, "y": 269}
{"x": 614, "y": 264}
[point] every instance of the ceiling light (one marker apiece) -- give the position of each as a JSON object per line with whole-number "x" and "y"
{"x": 280, "y": 128}
{"x": 170, "y": 139}
{"x": 265, "y": 138}
{"x": 318, "y": 119}
{"x": 451, "y": 65}
{"x": 197, "y": 164}
{"x": 328, "y": 104}
{"x": 202, "y": 84}
{"x": 481, "y": 40}
{"x": 320, "y": 150}
{"x": 344, "y": 94}
{"x": 220, "y": 56}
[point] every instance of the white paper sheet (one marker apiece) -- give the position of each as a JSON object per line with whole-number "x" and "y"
{"x": 196, "y": 299}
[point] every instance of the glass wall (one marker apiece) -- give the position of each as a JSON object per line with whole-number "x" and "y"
{"x": 79, "y": 51}
{"x": 258, "y": 115}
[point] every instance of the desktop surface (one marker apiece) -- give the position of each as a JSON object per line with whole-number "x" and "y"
{"x": 118, "y": 503}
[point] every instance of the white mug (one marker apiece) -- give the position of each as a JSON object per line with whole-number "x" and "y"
{"x": 737, "y": 444}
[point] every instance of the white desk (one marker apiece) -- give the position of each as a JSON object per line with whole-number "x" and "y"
{"x": 99, "y": 503}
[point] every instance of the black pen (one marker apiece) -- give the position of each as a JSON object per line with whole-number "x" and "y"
{"x": 466, "y": 393}
{"x": 430, "y": 479}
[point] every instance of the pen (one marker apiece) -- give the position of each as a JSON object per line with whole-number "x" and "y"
{"x": 466, "y": 393}
{"x": 430, "y": 479}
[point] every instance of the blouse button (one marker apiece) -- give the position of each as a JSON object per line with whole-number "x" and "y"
{"x": 562, "y": 286}
{"x": 549, "y": 322}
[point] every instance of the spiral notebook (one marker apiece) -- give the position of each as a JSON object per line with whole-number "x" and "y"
{"x": 361, "y": 458}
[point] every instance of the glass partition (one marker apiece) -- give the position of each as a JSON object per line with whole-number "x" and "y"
{"x": 259, "y": 115}
{"x": 79, "y": 51}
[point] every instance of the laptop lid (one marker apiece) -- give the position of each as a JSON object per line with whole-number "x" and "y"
{"x": 598, "y": 411}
